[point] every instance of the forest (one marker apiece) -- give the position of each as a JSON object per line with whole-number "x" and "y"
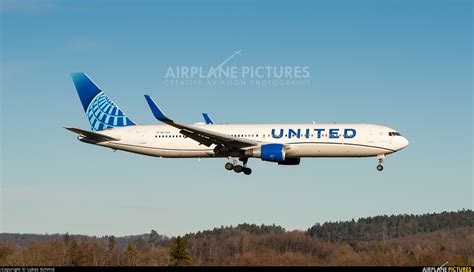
{"x": 404, "y": 240}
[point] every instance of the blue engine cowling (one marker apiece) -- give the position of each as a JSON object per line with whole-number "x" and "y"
{"x": 272, "y": 152}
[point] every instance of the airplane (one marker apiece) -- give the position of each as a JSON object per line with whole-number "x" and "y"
{"x": 284, "y": 144}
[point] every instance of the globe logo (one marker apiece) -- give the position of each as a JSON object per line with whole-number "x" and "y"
{"x": 104, "y": 114}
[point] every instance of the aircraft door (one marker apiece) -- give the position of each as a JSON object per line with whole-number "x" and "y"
{"x": 370, "y": 136}
{"x": 140, "y": 137}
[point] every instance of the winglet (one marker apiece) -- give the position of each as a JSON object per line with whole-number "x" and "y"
{"x": 207, "y": 119}
{"x": 157, "y": 112}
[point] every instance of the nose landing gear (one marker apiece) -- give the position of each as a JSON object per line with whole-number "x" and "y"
{"x": 381, "y": 158}
{"x": 239, "y": 168}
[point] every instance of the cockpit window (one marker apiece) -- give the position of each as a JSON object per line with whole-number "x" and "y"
{"x": 394, "y": 133}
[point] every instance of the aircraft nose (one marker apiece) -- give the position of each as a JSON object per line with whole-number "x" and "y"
{"x": 404, "y": 142}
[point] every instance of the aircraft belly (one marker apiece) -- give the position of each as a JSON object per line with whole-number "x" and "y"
{"x": 186, "y": 153}
{"x": 166, "y": 151}
{"x": 332, "y": 150}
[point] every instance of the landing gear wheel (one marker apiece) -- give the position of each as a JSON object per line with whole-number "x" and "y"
{"x": 247, "y": 171}
{"x": 229, "y": 166}
{"x": 238, "y": 168}
{"x": 380, "y": 167}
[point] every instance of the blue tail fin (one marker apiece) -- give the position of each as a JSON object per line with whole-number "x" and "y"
{"x": 100, "y": 110}
{"x": 207, "y": 119}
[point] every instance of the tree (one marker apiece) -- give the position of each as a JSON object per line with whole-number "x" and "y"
{"x": 153, "y": 238}
{"x": 131, "y": 255}
{"x": 179, "y": 253}
{"x": 67, "y": 238}
{"x": 112, "y": 251}
{"x": 112, "y": 243}
{"x": 74, "y": 253}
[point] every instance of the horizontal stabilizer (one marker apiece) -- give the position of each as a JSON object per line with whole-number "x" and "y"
{"x": 92, "y": 135}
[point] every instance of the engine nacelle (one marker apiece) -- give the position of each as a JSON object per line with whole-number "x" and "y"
{"x": 268, "y": 152}
{"x": 290, "y": 161}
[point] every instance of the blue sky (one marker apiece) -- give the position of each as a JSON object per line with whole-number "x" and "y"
{"x": 404, "y": 64}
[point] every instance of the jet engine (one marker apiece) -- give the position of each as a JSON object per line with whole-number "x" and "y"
{"x": 268, "y": 152}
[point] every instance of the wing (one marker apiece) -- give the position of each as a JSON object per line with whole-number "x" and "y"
{"x": 92, "y": 135}
{"x": 203, "y": 136}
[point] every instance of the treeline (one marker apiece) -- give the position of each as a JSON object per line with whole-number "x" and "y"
{"x": 388, "y": 227}
{"x": 250, "y": 244}
{"x": 120, "y": 242}
{"x": 75, "y": 250}
{"x": 298, "y": 248}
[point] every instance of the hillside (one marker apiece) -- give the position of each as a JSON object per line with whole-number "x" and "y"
{"x": 395, "y": 226}
{"x": 429, "y": 239}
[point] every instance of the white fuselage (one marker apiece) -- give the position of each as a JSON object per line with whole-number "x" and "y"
{"x": 304, "y": 140}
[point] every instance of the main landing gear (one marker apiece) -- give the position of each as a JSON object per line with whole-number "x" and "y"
{"x": 380, "y": 166}
{"x": 239, "y": 168}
